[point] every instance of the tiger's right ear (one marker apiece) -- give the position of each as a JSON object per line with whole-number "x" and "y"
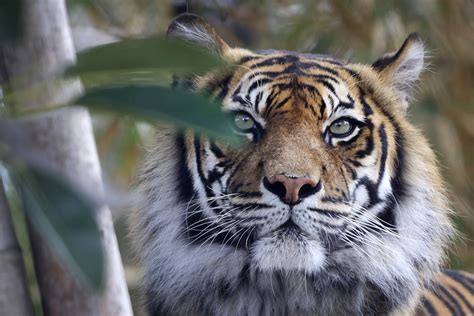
{"x": 195, "y": 30}
{"x": 401, "y": 69}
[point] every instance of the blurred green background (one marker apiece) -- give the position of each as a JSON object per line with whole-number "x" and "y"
{"x": 359, "y": 30}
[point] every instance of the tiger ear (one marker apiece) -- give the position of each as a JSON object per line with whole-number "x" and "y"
{"x": 402, "y": 69}
{"x": 197, "y": 31}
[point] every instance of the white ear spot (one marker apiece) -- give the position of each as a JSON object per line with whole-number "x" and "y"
{"x": 408, "y": 72}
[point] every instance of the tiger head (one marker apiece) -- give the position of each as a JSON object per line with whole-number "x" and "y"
{"x": 333, "y": 188}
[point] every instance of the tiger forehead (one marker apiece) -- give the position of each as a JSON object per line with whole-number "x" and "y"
{"x": 272, "y": 82}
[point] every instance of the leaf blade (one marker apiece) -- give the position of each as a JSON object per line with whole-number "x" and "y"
{"x": 152, "y": 103}
{"x": 65, "y": 219}
{"x": 148, "y": 53}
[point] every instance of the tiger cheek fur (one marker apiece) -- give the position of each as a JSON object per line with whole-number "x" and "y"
{"x": 334, "y": 205}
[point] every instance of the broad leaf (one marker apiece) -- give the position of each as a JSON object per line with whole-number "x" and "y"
{"x": 65, "y": 219}
{"x": 150, "y": 53}
{"x": 152, "y": 103}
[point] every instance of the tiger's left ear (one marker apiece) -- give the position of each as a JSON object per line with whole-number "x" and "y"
{"x": 197, "y": 31}
{"x": 402, "y": 69}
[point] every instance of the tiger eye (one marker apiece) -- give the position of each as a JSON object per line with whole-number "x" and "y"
{"x": 244, "y": 121}
{"x": 341, "y": 127}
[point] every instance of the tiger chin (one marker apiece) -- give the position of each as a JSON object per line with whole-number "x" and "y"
{"x": 333, "y": 206}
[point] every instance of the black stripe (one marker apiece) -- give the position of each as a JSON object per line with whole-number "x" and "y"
{"x": 465, "y": 281}
{"x": 329, "y": 213}
{"x": 215, "y": 175}
{"x": 327, "y": 85}
{"x": 253, "y": 206}
{"x": 397, "y": 182}
{"x": 463, "y": 299}
{"x": 355, "y": 163}
{"x": 448, "y": 300}
{"x": 367, "y": 109}
{"x": 241, "y": 101}
{"x": 318, "y": 66}
{"x": 280, "y": 60}
{"x": 299, "y": 86}
{"x": 369, "y": 144}
{"x": 321, "y": 77}
{"x": 322, "y": 108}
{"x": 279, "y": 113}
{"x": 202, "y": 177}
{"x": 371, "y": 189}
{"x": 242, "y": 194}
{"x": 217, "y": 151}
{"x": 224, "y": 85}
{"x": 258, "y": 98}
{"x": 429, "y": 307}
{"x": 185, "y": 182}
{"x": 256, "y": 84}
{"x": 311, "y": 108}
{"x": 344, "y": 105}
{"x": 237, "y": 169}
{"x": 267, "y": 74}
{"x": 282, "y": 103}
{"x": 245, "y": 59}
{"x": 383, "y": 157}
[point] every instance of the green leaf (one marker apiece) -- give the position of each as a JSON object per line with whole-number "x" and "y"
{"x": 65, "y": 219}
{"x": 150, "y": 53}
{"x": 11, "y": 23}
{"x": 153, "y": 103}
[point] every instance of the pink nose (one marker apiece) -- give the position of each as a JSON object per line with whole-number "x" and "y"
{"x": 291, "y": 190}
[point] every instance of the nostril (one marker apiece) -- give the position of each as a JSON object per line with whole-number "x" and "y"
{"x": 309, "y": 189}
{"x": 277, "y": 188}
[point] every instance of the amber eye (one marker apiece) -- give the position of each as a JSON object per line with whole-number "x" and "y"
{"x": 341, "y": 127}
{"x": 244, "y": 122}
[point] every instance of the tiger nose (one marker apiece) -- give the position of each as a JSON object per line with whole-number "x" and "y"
{"x": 291, "y": 190}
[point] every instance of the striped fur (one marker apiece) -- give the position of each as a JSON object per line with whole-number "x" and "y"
{"x": 369, "y": 236}
{"x": 451, "y": 294}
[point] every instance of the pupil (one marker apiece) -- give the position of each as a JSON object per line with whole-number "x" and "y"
{"x": 243, "y": 122}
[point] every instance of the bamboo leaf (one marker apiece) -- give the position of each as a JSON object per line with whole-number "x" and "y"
{"x": 153, "y": 103}
{"x": 65, "y": 219}
{"x": 150, "y": 53}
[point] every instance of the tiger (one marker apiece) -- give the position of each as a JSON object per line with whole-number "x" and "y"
{"x": 333, "y": 205}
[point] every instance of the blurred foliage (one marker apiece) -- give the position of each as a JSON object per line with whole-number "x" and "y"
{"x": 153, "y": 53}
{"x": 65, "y": 217}
{"x": 10, "y": 20}
{"x": 21, "y": 230}
{"x": 155, "y": 103}
{"x": 359, "y": 30}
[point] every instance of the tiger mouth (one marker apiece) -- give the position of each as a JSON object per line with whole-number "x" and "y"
{"x": 288, "y": 227}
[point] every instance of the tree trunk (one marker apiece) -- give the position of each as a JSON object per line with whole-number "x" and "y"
{"x": 14, "y": 297}
{"x": 62, "y": 138}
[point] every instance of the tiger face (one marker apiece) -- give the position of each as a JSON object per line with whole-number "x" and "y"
{"x": 333, "y": 187}
{"x": 317, "y": 159}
